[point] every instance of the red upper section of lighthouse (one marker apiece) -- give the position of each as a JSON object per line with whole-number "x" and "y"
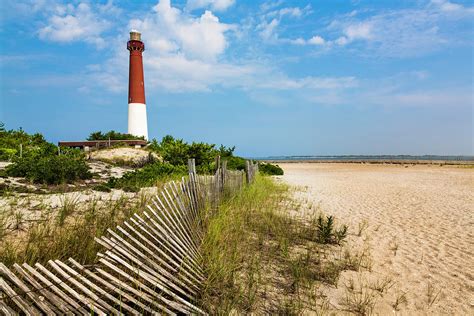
{"x": 136, "y": 81}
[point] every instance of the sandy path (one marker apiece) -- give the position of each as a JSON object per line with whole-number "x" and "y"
{"x": 420, "y": 225}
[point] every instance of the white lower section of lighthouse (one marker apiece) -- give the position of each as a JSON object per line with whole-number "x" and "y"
{"x": 137, "y": 121}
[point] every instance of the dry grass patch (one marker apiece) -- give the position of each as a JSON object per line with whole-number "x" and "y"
{"x": 66, "y": 231}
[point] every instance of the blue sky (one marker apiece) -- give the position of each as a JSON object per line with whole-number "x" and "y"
{"x": 272, "y": 78}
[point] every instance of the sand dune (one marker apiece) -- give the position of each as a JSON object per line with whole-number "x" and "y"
{"x": 420, "y": 227}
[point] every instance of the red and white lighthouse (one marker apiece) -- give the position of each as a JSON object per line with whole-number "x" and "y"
{"x": 137, "y": 120}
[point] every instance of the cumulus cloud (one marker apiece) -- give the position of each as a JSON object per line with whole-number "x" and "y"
{"x": 179, "y": 74}
{"x": 361, "y": 30}
{"x": 355, "y": 31}
{"x": 216, "y": 5}
{"x": 70, "y": 23}
{"x": 201, "y": 37}
{"x": 315, "y": 40}
{"x": 183, "y": 52}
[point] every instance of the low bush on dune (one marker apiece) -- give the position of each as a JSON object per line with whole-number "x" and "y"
{"x": 235, "y": 163}
{"x": 101, "y": 188}
{"x": 39, "y": 161}
{"x": 177, "y": 152}
{"x": 50, "y": 169}
{"x": 147, "y": 176}
{"x": 270, "y": 169}
{"x": 10, "y": 141}
{"x": 113, "y": 135}
{"x": 7, "y": 154}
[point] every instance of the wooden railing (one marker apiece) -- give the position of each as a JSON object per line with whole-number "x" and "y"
{"x": 150, "y": 264}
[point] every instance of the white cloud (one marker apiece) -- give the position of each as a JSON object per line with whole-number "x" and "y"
{"x": 293, "y": 12}
{"x": 359, "y": 31}
{"x": 71, "y": 23}
{"x": 216, "y": 5}
{"x": 342, "y": 41}
{"x": 177, "y": 73}
{"x": 270, "y": 5}
{"x": 316, "y": 40}
{"x": 267, "y": 29}
{"x": 183, "y": 53}
{"x": 269, "y": 21}
{"x": 298, "y": 41}
{"x": 196, "y": 37}
{"x": 404, "y": 32}
{"x": 447, "y": 6}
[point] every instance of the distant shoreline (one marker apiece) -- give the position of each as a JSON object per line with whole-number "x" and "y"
{"x": 372, "y": 161}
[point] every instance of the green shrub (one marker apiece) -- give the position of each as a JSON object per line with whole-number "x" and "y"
{"x": 173, "y": 151}
{"x": 101, "y": 188}
{"x": 131, "y": 189}
{"x": 177, "y": 152}
{"x": 147, "y": 176}
{"x": 10, "y": 141}
{"x": 270, "y": 169}
{"x": 235, "y": 163}
{"x": 7, "y": 154}
{"x": 50, "y": 169}
{"x": 113, "y": 135}
{"x": 326, "y": 232}
{"x": 3, "y": 188}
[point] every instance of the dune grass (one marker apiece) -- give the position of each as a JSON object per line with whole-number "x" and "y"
{"x": 68, "y": 231}
{"x": 260, "y": 259}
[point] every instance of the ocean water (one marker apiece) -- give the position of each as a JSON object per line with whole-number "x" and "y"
{"x": 369, "y": 157}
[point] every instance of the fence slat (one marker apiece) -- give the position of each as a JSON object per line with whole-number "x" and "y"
{"x": 19, "y": 301}
{"x": 31, "y": 294}
{"x": 61, "y": 306}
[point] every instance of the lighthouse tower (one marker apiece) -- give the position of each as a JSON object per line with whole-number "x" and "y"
{"x": 137, "y": 121}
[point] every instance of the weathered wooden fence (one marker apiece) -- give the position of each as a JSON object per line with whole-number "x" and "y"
{"x": 149, "y": 265}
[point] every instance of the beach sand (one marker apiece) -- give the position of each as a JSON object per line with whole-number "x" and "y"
{"x": 420, "y": 229}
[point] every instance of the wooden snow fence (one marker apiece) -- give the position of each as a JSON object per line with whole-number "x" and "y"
{"x": 150, "y": 264}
